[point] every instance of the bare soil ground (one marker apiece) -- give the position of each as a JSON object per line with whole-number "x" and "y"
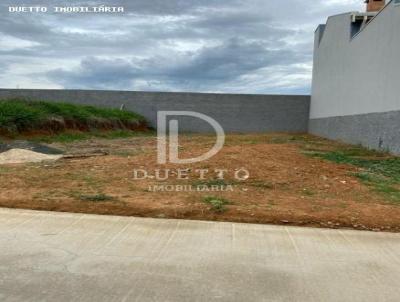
{"x": 286, "y": 184}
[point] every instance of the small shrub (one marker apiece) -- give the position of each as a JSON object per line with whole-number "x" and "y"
{"x": 16, "y": 116}
{"x": 217, "y": 203}
{"x": 307, "y": 192}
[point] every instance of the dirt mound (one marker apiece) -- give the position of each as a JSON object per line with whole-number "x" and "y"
{"x": 32, "y": 146}
{"x": 19, "y": 156}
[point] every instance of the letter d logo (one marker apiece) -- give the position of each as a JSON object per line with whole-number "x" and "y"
{"x": 173, "y": 137}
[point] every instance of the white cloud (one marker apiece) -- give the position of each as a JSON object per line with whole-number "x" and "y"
{"x": 8, "y": 43}
{"x": 247, "y": 46}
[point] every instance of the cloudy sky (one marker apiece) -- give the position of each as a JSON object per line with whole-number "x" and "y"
{"x": 235, "y": 46}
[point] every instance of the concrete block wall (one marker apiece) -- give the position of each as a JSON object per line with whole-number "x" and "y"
{"x": 236, "y": 113}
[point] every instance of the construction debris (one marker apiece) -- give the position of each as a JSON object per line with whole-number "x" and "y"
{"x": 31, "y": 146}
{"x": 19, "y": 156}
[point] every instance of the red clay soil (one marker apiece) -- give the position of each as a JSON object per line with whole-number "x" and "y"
{"x": 285, "y": 186}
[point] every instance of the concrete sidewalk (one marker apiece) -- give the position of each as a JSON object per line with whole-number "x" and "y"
{"x": 73, "y": 257}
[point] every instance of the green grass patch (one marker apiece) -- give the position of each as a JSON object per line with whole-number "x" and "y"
{"x": 381, "y": 184}
{"x": 283, "y": 139}
{"x": 67, "y": 137}
{"x": 388, "y": 167}
{"x": 95, "y": 198}
{"x": 360, "y": 151}
{"x": 126, "y": 153}
{"x": 77, "y": 112}
{"x": 296, "y": 139}
{"x": 379, "y": 170}
{"x": 4, "y": 170}
{"x": 261, "y": 184}
{"x": 62, "y": 137}
{"x": 217, "y": 203}
{"x": 18, "y": 115}
{"x": 307, "y": 192}
{"x": 214, "y": 182}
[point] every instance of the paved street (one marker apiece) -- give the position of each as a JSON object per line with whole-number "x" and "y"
{"x": 73, "y": 257}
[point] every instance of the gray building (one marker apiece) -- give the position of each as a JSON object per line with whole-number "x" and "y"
{"x": 356, "y": 77}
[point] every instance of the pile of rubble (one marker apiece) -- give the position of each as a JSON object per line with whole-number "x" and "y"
{"x": 19, "y": 152}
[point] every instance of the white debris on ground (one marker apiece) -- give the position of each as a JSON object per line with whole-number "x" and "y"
{"x": 19, "y": 156}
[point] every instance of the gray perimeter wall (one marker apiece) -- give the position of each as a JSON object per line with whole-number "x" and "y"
{"x": 378, "y": 131}
{"x": 235, "y": 113}
{"x": 356, "y": 91}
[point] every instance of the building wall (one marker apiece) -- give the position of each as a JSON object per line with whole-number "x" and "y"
{"x": 235, "y": 113}
{"x": 356, "y": 91}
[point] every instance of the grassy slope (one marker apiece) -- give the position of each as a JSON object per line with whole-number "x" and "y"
{"x": 21, "y": 115}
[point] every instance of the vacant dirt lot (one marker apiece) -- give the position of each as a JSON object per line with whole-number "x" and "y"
{"x": 290, "y": 182}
